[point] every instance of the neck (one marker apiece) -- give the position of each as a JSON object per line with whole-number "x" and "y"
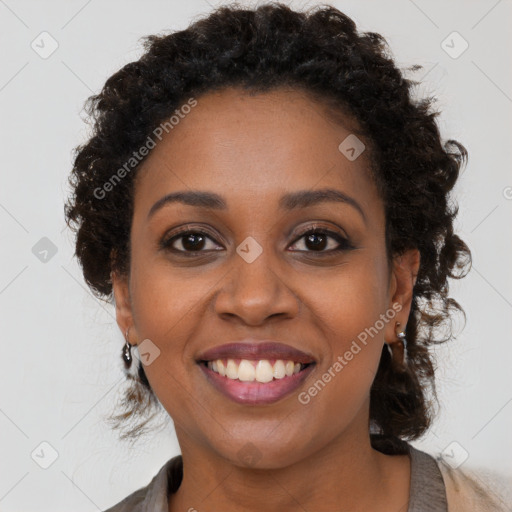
{"x": 347, "y": 474}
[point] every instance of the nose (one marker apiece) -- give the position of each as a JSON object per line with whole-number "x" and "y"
{"x": 253, "y": 292}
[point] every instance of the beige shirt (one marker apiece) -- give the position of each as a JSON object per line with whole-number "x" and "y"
{"x": 434, "y": 487}
{"x": 473, "y": 490}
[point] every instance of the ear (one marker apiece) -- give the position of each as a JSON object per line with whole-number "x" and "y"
{"x": 123, "y": 305}
{"x": 403, "y": 278}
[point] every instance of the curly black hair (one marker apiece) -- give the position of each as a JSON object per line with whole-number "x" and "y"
{"x": 321, "y": 52}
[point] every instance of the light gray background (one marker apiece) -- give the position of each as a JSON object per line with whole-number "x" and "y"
{"x": 61, "y": 370}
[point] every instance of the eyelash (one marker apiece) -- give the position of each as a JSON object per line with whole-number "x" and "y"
{"x": 344, "y": 243}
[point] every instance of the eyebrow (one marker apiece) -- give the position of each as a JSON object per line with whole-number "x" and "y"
{"x": 290, "y": 201}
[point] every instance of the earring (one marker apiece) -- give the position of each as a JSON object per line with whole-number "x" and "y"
{"x": 398, "y": 349}
{"x": 127, "y": 351}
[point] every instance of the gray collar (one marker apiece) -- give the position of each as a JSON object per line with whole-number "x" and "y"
{"x": 428, "y": 492}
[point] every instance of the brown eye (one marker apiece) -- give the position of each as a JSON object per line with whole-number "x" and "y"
{"x": 189, "y": 241}
{"x": 318, "y": 240}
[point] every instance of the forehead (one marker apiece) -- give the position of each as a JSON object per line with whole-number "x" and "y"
{"x": 254, "y": 147}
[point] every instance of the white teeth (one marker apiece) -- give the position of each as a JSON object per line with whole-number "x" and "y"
{"x": 232, "y": 369}
{"x": 246, "y": 371}
{"x": 279, "y": 369}
{"x": 250, "y": 370}
{"x": 264, "y": 371}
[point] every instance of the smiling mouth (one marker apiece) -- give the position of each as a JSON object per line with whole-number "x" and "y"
{"x": 255, "y": 381}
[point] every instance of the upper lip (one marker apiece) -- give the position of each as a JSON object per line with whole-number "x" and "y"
{"x": 250, "y": 349}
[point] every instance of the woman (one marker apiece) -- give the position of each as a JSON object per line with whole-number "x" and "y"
{"x": 270, "y": 210}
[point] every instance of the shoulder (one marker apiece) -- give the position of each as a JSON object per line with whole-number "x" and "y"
{"x": 153, "y": 496}
{"x": 132, "y": 503}
{"x": 473, "y": 489}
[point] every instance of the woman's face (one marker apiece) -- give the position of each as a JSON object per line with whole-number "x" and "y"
{"x": 249, "y": 272}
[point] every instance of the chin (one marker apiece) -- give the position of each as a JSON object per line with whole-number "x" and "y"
{"x": 258, "y": 452}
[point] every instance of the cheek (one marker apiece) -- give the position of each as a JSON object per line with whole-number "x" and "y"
{"x": 168, "y": 307}
{"x": 167, "y": 311}
{"x": 348, "y": 309}
{"x": 165, "y": 299}
{"x": 348, "y": 302}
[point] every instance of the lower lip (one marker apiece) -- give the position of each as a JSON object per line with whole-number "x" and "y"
{"x": 256, "y": 393}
